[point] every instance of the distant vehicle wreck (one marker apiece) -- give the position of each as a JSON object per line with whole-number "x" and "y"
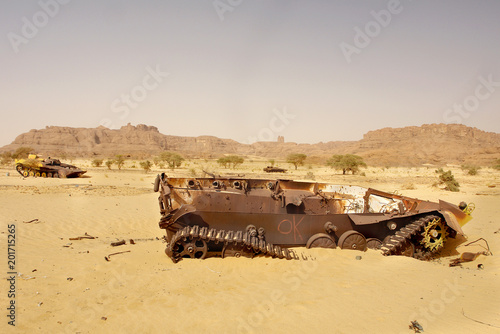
{"x": 272, "y": 169}
{"x": 38, "y": 167}
{"x": 248, "y": 217}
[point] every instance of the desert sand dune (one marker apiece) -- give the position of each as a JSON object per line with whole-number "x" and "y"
{"x": 67, "y": 286}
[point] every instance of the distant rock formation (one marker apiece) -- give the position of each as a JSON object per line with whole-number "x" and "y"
{"x": 436, "y": 144}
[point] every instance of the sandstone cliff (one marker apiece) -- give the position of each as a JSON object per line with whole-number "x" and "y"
{"x": 410, "y": 146}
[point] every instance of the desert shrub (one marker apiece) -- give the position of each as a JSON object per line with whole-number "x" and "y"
{"x": 296, "y": 159}
{"x": 22, "y": 152}
{"x": 146, "y": 165}
{"x": 192, "y": 172}
{"x": 310, "y": 176}
{"x": 447, "y": 178}
{"x": 109, "y": 163}
{"x": 346, "y": 163}
{"x": 362, "y": 174}
{"x": 470, "y": 169}
{"x": 496, "y": 164}
{"x": 6, "y": 158}
{"x": 119, "y": 161}
{"x": 409, "y": 186}
{"x": 97, "y": 162}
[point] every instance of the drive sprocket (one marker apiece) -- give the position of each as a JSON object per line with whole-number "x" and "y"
{"x": 434, "y": 235}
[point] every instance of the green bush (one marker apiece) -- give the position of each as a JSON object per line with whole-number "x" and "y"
{"x": 447, "y": 178}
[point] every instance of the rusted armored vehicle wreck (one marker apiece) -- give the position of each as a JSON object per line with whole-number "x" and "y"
{"x": 247, "y": 217}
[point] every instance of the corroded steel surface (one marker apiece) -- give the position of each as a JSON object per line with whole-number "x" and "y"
{"x": 289, "y": 213}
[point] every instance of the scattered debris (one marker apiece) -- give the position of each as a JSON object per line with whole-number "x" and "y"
{"x": 40, "y": 304}
{"x": 480, "y": 266}
{"x": 466, "y": 257}
{"x": 107, "y": 258}
{"x": 86, "y": 236}
{"x": 416, "y": 326}
{"x": 36, "y": 221}
{"x": 118, "y": 243}
{"x": 104, "y": 318}
{"x": 478, "y": 320}
{"x": 68, "y": 244}
{"x": 358, "y": 257}
{"x": 217, "y": 272}
{"x": 69, "y": 279}
{"x": 488, "y": 246}
{"x": 132, "y": 242}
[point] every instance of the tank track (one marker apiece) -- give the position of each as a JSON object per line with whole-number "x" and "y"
{"x": 247, "y": 242}
{"x": 396, "y": 244}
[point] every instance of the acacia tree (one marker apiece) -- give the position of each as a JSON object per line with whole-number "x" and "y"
{"x": 346, "y": 163}
{"x": 172, "y": 159}
{"x": 233, "y": 160}
{"x": 296, "y": 159}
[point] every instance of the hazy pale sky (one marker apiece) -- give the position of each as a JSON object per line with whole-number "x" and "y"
{"x": 249, "y": 70}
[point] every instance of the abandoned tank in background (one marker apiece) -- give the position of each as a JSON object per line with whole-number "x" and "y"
{"x": 247, "y": 217}
{"x": 39, "y": 167}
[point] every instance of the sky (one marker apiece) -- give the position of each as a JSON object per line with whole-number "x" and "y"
{"x": 249, "y": 70}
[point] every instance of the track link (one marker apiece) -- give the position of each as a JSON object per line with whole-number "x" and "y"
{"x": 397, "y": 242}
{"x": 239, "y": 239}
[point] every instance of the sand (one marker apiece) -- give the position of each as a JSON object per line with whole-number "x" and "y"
{"x": 67, "y": 286}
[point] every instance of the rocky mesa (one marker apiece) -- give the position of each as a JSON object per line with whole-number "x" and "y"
{"x": 436, "y": 144}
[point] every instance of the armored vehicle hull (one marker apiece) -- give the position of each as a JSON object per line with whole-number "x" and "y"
{"x": 35, "y": 166}
{"x": 246, "y": 217}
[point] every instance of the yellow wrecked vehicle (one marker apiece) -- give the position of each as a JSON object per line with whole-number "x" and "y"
{"x": 39, "y": 167}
